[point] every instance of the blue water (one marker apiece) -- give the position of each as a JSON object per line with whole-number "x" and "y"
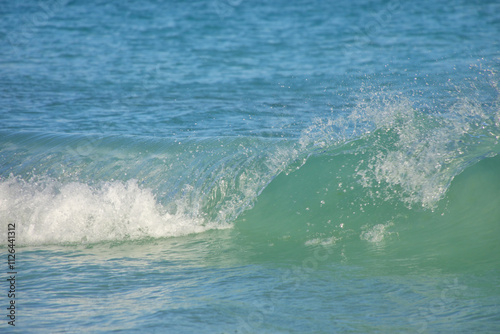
{"x": 228, "y": 166}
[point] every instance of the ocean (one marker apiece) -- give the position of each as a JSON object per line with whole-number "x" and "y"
{"x": 231, "y": 166}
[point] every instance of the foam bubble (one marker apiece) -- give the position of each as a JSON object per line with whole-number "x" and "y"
{"x": 47, "y": 212}
{"x": 322, "y": 241}
{"x": 376, "y": 233}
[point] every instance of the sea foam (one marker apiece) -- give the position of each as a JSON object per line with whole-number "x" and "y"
{"x": 48, "y": 211}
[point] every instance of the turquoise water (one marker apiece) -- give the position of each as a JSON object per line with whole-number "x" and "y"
{"x": 229, "y": 166}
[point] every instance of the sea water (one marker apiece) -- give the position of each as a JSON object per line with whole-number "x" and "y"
{"x": 230, "y": 166}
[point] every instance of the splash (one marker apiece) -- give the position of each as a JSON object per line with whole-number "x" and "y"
{"x": 48, "y": 212}
{"x": 417, "y": 154}
{"x": 404, "y": 152}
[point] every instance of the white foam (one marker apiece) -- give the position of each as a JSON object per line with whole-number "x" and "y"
{"x": 47, "y": 212}
{"x": 375, "y": 234}
{"x": 322, "y": 241}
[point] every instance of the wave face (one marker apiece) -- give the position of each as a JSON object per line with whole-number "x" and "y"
{"x": 392, "y": 180}
{"x": 383, "y": 158}
{"x": 64, "y": 188}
